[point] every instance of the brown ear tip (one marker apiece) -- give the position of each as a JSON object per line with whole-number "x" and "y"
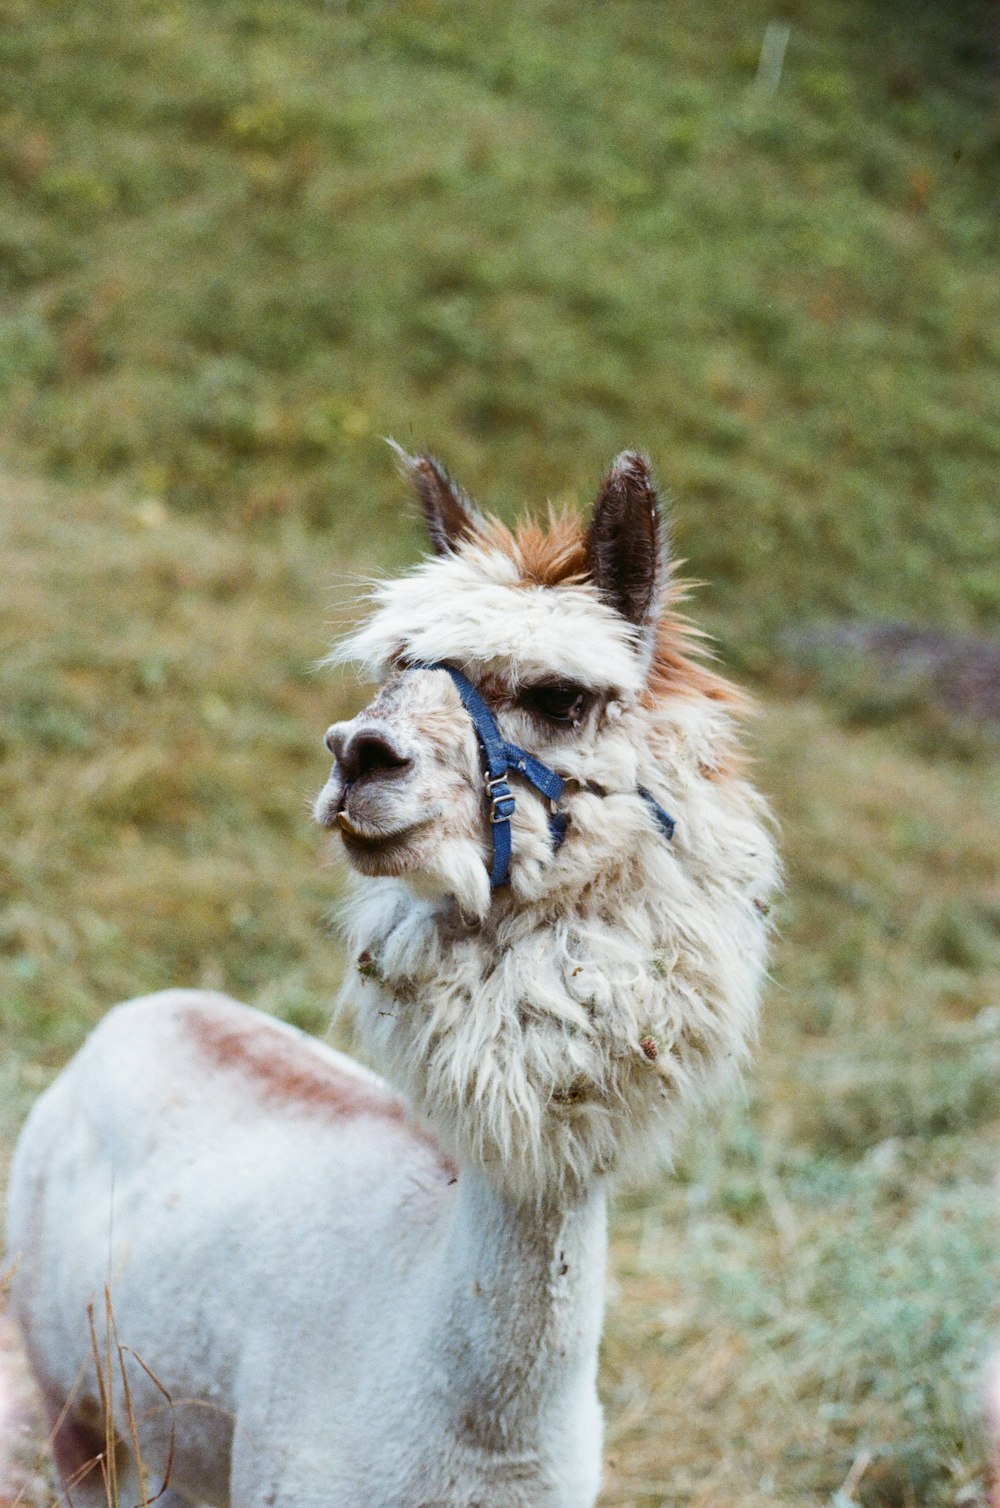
{"x": 421, "y": 469}
{"x": 411, "y": 466}
{"x": 405, "y": 463}
{"x": 425, "y": 463}
{"x": 632, "y": 465}
{"x": 449, "y": 515}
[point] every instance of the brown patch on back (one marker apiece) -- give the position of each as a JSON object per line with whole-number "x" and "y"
{"x": 285, "y": 1074}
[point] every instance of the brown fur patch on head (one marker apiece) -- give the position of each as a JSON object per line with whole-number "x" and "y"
{"x": 550, "y": 556}
{"x": 678, "y": 668}
{"x": 557, "y": 556}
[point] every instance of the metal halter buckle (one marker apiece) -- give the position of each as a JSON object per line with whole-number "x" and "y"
{"x": 497, "y": 798}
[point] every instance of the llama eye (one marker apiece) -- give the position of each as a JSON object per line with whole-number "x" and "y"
{"x": 559, "y": 703}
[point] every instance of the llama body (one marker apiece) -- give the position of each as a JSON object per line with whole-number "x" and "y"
{"x": 307, "y": 1270}
{"x": 347, "y": 1308}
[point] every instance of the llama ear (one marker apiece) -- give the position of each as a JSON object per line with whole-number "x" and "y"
{"x": 625, "y": 545}
{"x": 450, "y": 517}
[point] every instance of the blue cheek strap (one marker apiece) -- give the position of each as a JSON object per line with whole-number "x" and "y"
{"x": 501, "y": 758}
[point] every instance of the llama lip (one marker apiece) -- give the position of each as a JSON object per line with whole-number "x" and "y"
{"x": 387, "y": 854}
{"x": 367, "y": 840}
{"x": 365, "y": 834}
{"x": 356, "y": 843}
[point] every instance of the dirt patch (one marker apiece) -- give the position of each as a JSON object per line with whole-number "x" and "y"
{"x": 956, "y": 673}
{"x": 24, "y": 1482}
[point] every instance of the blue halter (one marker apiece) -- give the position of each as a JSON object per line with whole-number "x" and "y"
{"x": 501, "y": 758}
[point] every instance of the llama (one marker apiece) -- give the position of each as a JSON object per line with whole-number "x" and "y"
{"x": 392, "y": 1298}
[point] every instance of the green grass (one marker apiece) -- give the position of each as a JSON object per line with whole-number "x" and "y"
{"x": 240, "y": 242}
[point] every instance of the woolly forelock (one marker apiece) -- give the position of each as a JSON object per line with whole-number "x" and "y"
{"x": 474, "y": 608}
{"x": 616, "y": 984}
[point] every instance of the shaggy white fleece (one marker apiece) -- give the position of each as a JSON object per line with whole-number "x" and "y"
{"x": 568, "y": 1028}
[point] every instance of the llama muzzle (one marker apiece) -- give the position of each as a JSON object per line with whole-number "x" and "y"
{"x": 369, "y": 794}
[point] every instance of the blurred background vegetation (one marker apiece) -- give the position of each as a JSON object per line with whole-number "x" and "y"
{"x": 240, "y": 240}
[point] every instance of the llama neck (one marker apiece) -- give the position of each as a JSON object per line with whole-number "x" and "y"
{"x": 518, "y": 1303}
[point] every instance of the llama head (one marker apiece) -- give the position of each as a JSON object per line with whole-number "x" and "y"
{"x": 556, "y": 1026}
{"x": 556, "y": 632}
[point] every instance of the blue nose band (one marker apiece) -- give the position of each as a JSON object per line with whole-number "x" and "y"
{"x": 501, "y": 759}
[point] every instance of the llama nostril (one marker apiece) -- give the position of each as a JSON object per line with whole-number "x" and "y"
{"x": 375, "y": 755}
{"x": 330, "y": 739}
{"x": 369, "y": 753}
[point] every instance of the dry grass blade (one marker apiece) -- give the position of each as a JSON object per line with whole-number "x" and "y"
{"x": 105, "y": 1387}
{"x": 112, "y": 1325}
{"x": 115, "y": 1353}
{"x": 168, "y": 1469}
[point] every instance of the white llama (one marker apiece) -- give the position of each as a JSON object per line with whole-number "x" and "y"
{"x": 360, "y": 1301}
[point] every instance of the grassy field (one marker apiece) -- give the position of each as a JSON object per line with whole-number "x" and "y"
{"x": 239, "y": 242}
